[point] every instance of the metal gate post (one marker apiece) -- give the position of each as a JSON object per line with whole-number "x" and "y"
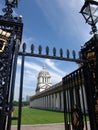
{"x": 10, "y": 39}
{"x": 13, "y": 75}
{"x": 88, "y": 82}
{"x": 21, "y": 89}
{"x": 96, "y": 80}
{"x": 6, "y": 87}
{"x": 90, "y": 53}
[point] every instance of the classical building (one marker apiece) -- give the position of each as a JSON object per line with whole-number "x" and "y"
{"x": 44, "y": 81}
{"x": 47, "y": 96}
{"x": 51, "y": 96}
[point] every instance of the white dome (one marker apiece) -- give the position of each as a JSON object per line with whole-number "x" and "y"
{"x": 44, "y": 73}
{"x": 44, "y": 81}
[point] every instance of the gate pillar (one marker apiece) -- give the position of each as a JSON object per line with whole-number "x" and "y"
{"x": 10, "y": 39}
{"x": 90, "y": 54}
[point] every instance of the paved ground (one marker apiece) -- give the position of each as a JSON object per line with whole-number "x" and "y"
{"x": 41, "y": 127}
{"x": 59, "y": 126}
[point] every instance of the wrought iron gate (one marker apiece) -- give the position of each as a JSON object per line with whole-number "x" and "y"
{"x": 10, "y": 39}
{"x": 79, "y": 109}
{"x": 80, "y": 87}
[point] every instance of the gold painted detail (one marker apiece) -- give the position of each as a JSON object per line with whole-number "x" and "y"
{"x": 91, "y": 55}
{"x": 3, "y": 39}
{"x": 75, "y": 119}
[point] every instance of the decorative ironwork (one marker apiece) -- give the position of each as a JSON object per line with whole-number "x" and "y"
{"x": 90, "y": 52}
{"x": 47, "y": 54}
{"x": 78, "y": 102}
{"x": 54, "y": 51}
{"x": 40, "y": 49}
{"x": 5, "y": 74}
{"x": 89, "y": 12}
{"x": 10, "y": 23}
{"x": 12, "y": 3}
{"x": 80, "y": 87}
{"x": 47, "y": 50}
{"x": 77, "y": 118}
{"x": 10, "y": 39}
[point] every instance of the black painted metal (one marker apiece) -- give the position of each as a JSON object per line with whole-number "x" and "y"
{"x": 90, "y": 100}
{"x": 54, "y": 54}
{"x": 21, "y": 89}
{"x": 89, "y": 15}
{"x": 75, "y": 101}
{"x": 76, "y": 87}
{"x": 80, "y": 87}
{"x": 4, "y": 84}
{"x": 8, "y": 59}
{"x": 90, "y": 53}
{"x": 13, "y": 73}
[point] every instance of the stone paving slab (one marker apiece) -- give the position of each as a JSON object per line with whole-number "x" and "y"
{"x": 41, "y": 127}
{"x": 57, "y": 126}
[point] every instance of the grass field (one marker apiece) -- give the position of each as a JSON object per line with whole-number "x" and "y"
{"x": 34, "y": 116}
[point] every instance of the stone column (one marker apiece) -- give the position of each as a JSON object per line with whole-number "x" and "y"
{"x": 46, "y": 101}
{"x": 49, "y": 101}
{"x": 57, "y": 101}
{"x": 52, "y": 101}
{"x": 60, "y": 100}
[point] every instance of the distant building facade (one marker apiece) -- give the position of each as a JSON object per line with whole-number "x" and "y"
{"x": 51, "y": 97}
{"x": 27, "y": 98}
{"x": 47, "y": 96}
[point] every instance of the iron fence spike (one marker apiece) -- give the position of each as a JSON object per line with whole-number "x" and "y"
{"x": 32, "y": 48}
{"x": 61, "y": 52}
{"x": 68, "y": 53}
{"x": 40, "y": 49}
{"x": 54, "y": 51}
{"x": 74, "y": 54}
{"x": 47, "y": 50}
{"x": 24, "y": 46}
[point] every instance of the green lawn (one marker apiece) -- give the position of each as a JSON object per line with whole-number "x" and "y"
{"x": 35, "y": 116}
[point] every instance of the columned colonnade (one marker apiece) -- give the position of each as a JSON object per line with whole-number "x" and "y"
{"x": 51, "y": 99}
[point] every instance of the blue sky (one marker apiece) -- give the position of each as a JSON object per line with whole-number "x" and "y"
{"x": 53, "y": 23}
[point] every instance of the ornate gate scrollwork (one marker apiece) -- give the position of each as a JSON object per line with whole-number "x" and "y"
{"x": 77, "y": 118}
{"x": 4, "y": 37}
{"x": 10, "y": 38}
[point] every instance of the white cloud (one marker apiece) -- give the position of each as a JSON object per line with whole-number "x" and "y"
{"x": 64, "y": 18}
{"x": 29, "y": 65}
{"x": 30, "y": 76}
{"x": 38, "y": 68}
{"x": 51, "y": 64}
{"x": 32, "y": 70}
